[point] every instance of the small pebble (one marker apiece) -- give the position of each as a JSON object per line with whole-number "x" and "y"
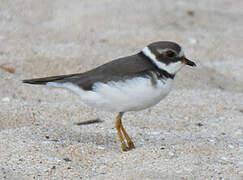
{"x": 155, "y": 133}
{"x": 171, "y": 154}
{"x": 231, "y": 146}
{"x": 186, "y": 118}
{"x": 224, "y": 158}
{"x": 211, "y": 140}
{"x": 199, "y": 124}
{"x": 192, "y": 41}
{"x": 67, "y": 159}
{"x": 100, "y": 147}
{"x": 5, "y": 99}
{"x": 190, "y": 13}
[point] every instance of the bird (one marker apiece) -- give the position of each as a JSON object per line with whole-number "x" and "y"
{"x": 130, "y": 83}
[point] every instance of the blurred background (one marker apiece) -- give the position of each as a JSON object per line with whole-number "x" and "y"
{"x": 62, "y": 37}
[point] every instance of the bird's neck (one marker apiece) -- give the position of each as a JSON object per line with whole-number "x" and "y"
{"x": 161, "y": 72}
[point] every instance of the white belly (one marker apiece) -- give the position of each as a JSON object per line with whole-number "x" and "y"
{"x": 122, "y": 96}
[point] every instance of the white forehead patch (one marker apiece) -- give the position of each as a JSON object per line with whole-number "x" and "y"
{"x": 161, "y": 51}
{"x": 181, "y": 53}
{"x": 171, "y": 68}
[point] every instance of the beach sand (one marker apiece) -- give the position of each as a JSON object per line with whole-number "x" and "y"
{"x": 195, "y": 133}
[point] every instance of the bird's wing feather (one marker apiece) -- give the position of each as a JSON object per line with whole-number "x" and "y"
{"x": 119, "y": 69}
{"x": 45, "y": 80}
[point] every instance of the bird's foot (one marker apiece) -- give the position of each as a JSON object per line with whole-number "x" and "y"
{"x": 130, "y": 145}
{"x": 124, "y": 147}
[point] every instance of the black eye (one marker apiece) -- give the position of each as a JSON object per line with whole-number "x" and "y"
{"x": 170, "y": 54}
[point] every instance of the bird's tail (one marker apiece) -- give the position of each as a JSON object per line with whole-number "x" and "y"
{"x": 45, "y": 80}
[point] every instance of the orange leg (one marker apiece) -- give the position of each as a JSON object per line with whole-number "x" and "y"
{"x": 120, "y": 129}
{"x": 130, "y": 144}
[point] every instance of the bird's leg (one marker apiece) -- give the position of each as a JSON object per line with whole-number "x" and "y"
{"x": 130, "y": 144}
{"x": 118, "y": 128}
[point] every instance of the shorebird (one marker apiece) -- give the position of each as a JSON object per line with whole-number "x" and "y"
{"x": 130, "y": 83}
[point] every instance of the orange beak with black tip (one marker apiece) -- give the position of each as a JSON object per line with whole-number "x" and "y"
{"x": 188, "y": 62}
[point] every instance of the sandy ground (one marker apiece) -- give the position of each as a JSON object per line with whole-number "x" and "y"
{"x": 195, "y": 133}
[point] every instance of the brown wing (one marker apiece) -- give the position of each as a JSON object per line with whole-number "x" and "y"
{"x": 116, "y": 70}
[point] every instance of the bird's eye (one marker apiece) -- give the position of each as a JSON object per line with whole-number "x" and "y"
{"x": 170, "y": 54}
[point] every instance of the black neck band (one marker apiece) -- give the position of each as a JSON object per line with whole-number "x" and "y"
{"x": 162, "y": 73}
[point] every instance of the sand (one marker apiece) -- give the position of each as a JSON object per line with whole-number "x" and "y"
{"x": 195, "y": 133}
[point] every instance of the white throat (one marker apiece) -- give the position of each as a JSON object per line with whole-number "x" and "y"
{"x": 171, "y": 68}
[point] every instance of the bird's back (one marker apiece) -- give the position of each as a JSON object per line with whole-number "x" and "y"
{"x": 116, "y": 70}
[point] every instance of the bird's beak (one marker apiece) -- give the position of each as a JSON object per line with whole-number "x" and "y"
{"x": 188, "y": 62}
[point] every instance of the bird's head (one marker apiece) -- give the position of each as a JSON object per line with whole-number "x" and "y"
{"x": 167, "y": 56}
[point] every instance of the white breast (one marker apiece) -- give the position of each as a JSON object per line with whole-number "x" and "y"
{"x": 130, "y": 95}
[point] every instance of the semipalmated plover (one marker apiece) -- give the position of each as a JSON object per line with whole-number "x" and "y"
{"x": 130, "y": 83}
